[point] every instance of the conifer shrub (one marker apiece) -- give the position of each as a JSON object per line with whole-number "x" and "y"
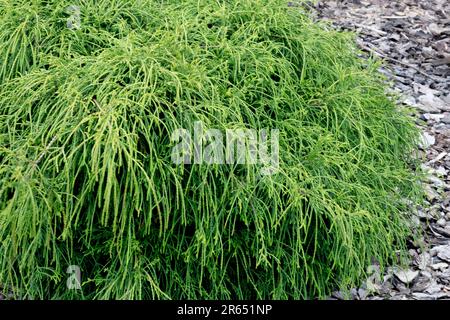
{"x": 88, "y": 104}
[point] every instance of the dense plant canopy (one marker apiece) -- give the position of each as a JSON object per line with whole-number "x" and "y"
{"x": 86, "y": 176}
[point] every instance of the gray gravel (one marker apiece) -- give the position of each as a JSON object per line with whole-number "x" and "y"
{"x": 413, "y": 37}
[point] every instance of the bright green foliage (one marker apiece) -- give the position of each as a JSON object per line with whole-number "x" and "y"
{"x": 86, "y": 176}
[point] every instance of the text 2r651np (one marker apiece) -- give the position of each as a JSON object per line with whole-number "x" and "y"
{"x": 246, "y": 309}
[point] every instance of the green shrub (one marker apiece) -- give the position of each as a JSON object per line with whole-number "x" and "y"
{"x": 86, "y": 176}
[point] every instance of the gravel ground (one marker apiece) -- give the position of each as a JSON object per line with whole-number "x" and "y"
{"x": 413, "y": 37}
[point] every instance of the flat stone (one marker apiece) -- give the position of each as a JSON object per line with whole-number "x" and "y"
{"x": 439, "y": 266}
{"x": 423, "y": 260}
{"x": 436, "y": 249}
{"x": 434, "y": 116}
{"x": 444, "y": 276}
{"x": 433, "y": 288}
{"x": 445, "y": 231}
{"x": 427, "y": 296}
{"x": 430, "y": 103}
{"x": 446, "y": 119}
{"x": 436, "y": 181}
{"x": 441, "y": 222}
{"x": 430, "y": 193}
{"x": 406, "y": 276}
{"x": 421, "y": 283}
{"x": 362, "y": 294}
{"x": 410, "y": 101}
{"x": 422, "y": 296}
{"x": 427, "y": 140}
{"x": 441, "y": 171}
{"x": 444, "y": 254}
{"x": 338, "y": 295}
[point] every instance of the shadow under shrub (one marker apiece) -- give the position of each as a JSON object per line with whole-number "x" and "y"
{"x": 86, "y": 176}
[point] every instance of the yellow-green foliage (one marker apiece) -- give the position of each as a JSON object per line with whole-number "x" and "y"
{"x": 86, "y": 176}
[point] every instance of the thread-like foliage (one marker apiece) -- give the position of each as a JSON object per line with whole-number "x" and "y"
{"x": 86, "y": 176}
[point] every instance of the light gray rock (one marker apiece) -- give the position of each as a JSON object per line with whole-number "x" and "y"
{"x": 441, "y": 222}
{"x": 423, "y": 260}
{"x": 445, "y": 231}
{"x": 439, "y": 266}
{"x": 436, "y": 249}
{"x": 422, "y": 296}
{"x": 441, "y": 171}
{"x": 436, "y": 181}
{"x": 430, "y": 193}
{"x": 444, "y": 254}
{"x": 430, "y": 103}
{"x": 421, "y": 284}
{"x": 354, "y": 293}
{"x": 362, "y": 294}
{"x": 433, "y": 288}
{"x": 446, "y": 119}
{"x": 406, "y": 276}
{"x": 427, "y": 140}
{"x": 410, "y": 101}
{"x": 444, "y": 276}
{"x": 338, "y": 295}
{"x": 433, "y": 116}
